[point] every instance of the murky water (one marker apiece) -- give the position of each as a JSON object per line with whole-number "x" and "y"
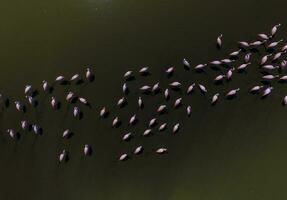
{"x": 234, "y": 150}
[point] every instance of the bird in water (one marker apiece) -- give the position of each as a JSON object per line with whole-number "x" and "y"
{"x": 31, "y": 100}
{"x": 235, "y": 53}
{"x": 121, "y": 102}
{"x": 267, "y": 91}
{"x": 144, "y": 71}
{"x": 270, "y": 67}
{"x": 177, "y": 102}
{"x": 169, "y": 71}
{"x": 70, "y": 96}
{"x": 284, "y": 48}
{"x": 214, "y": 99}
{"x": 76, "y": 112}
{"x": 278, "y": 55}
{"x": 216, "y": 62}
{"x": 256, "y": 89}
{"x": 161, "y": 150}
{"x": 275, "y": 29}
{"x": 190, "y": 88}
{"x": 63, "y": 156}
{"x": 263, "y": 36}
{"x": 269, "y": 77}
{"x": 116, "y": 122}
{"x": 19, "y": 106}
{"x": 155, "y": 88}
{"x": 87, "y": 150}
{"x": 152, "y": 122}
{"x": 229, "y": 73}
{"x": 188, "y": 110}
{"x": 274, "y": 44}
{"x": 147, "y": 132}
{"x": 28, "y": 89}
{"x": 247, "y": 57}
{"x": 12, "y": 133}
{"x": 145, "y": 89}
{"x": 219, "y": 41}
{"x": 219, "y": 78}
{"x": 36, "y": 129}
{"x": 166, "y": 94}
{"x": 175, "y": 85}
{"x": 60, "y": 79}
{"x": 257, "y": 43}
{"x": 24, "y": 124}
{"x": 264, "y": 59}
{"x": 89, "y": 74}
{"x": 123, "y": 157}
{"x": 243, "y": 66}
{"x": 200, "y": 67}
{"x": 175, "y": 128}
{"x": 140, "y": 102}
{"x": 202, "y": 88}
{"x": 54, "y": 103}
{"x": 138, "y": 150}
{"x": 45, "y": 85}
{"x": 67, "y": 133}
{"x": 243, "y": 44}
{"x": 127, "y": 136}
{"x": 125, "y": 88}
{"x": 232, "y": 93}
{"x": 161, "y": 109}
{"x": 186, "y": 63}
{"x": 83, "y": 100}
{"x": 283, "y": 78}
{"x": 75, "y": 78}
{"x": 103, "y": 112}
{"x": 283, "y": 64}
{"x": 227, "y": 61}
{"x": 133, "y": 120}
{"x": 128, "y": 75}
{"x": 162, "y": 127}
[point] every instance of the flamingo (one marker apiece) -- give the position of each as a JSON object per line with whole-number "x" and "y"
{"x": 255, "y": 89}
{"x": 123, "y": 157}
{"x": 214, "y": 99}
{"x": 232, "y": 93}
{"x": 219, "y": 40}
{"x": 175, "y": 128}
{"x": 162, "y": 127}
{"x": 138, "y": 150}
{"x": 267, "y": 91}
{"x": 161, "y": 151}
{"x": 190, "y": 88}
{"x": 144, "y": 71}
{"x": 152, "y": 122}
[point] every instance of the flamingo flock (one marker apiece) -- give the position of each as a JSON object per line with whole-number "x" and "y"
{"x": 271, "y": 65}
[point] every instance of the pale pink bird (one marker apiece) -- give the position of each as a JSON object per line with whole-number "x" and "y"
{"x": 274, "y": 29}
{"x": 229, "y": 73}
{"x": 219, "y": 41}
{"x": 232, "y": 93}
{"x": 214, "y": 98}
{"x": 219, "y": 78}
{"x": 267, "y": 91}
{"x": 255, "y": 89}
{"x": 269, "y": 77}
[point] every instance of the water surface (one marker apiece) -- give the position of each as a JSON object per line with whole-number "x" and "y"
{"x": 234, "y": 150}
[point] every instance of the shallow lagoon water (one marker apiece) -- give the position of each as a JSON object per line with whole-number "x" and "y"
{"x": 236, "y": 149}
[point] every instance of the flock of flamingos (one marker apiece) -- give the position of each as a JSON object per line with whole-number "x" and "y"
{"x": 272, "y": 64}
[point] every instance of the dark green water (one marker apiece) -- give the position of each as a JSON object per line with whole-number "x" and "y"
{"x": 235, "y": 150}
